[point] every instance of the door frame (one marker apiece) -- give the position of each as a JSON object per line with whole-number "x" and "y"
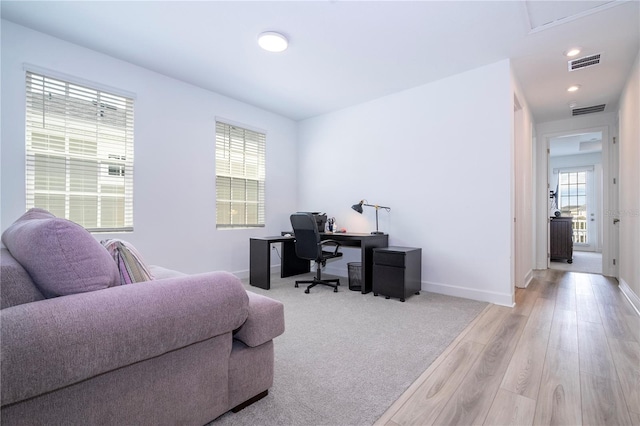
{"x": 607, "y": 203}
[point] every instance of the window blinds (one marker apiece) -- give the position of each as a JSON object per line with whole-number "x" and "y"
{"x": 240, "y": 175}
{"x": 79, "y": 153}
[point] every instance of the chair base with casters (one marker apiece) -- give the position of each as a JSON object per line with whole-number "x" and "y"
{"x": 318, "y": 279}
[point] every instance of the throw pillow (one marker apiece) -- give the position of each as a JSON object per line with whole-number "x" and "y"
{"x": 130, "y": 264}
{"x": 60, "y": 256}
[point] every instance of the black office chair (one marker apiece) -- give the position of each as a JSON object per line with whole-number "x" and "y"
{"x": 310, "y": 247}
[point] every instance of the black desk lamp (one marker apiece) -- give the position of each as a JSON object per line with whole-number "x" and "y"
{"x": 358, "y": 208}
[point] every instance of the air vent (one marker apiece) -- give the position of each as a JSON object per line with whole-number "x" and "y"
{"x": 585, "y": 62}
{"x": 587, "y": 110}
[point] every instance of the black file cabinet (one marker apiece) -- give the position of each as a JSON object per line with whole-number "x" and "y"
{"x": 397, "y": 271}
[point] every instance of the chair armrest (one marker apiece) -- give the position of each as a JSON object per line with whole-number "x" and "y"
{"x": 56, "y": 342}
{"x": 264, "y": 322}
{"x": 334, "y": 242}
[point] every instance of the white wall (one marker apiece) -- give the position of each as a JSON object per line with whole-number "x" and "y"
{"x": 630, "y": 187}
{"x": 523, "y": 199}
{"x": 440, "y": 156}
{"x": 604, "y": 122}
{"x": 174, "y": 189}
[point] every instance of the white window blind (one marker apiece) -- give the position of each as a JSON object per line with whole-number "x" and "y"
{"x": 240, "y": 172}
{"x": 79, "y": 153}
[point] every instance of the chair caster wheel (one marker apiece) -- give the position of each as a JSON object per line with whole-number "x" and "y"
{"x": 387, "y": 297}
{"x": 296, "y": 285}
{"x": 307, "y": 291}
{"x": 417, "y": 293}
{"x": 375, "y": 294}
{"x": 402, "y": 300}
{"x": 335, "y": 290}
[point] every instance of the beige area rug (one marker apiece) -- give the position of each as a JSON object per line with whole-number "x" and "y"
{"x": 583, "y": 261}
{"x": 346, "y": 357}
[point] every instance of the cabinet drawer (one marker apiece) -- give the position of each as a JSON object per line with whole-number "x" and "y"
{"x": 388, "y": 258}
{"x": 388, "y": 281}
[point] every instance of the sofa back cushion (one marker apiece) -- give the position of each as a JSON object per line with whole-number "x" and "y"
{"x": 60, "y": 256}
{"x": 17, "y": 287}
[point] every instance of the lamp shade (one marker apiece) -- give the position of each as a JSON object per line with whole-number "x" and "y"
{"x": 357, "y": 207}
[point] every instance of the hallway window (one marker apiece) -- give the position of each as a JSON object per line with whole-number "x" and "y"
{"x": 573, "y": 202}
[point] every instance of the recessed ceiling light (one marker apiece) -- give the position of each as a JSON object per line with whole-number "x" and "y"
{"x": 273, "y": 41}
{"x": 573, "y": 88}
{"x": 573, "y": 104}
{"x": 572, "y": 52}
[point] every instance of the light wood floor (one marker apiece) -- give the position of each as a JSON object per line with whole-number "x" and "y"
{"x": 567, "y": 354}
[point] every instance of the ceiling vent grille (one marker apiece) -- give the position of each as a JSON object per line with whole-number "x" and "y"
{"x": 585, "y": 62}
{"x": 588, "y": 110}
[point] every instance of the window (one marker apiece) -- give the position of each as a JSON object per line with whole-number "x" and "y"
{"x": 79, "y": 153}
{"x": 240, "y": 171}
{"x": 573, "y": 202}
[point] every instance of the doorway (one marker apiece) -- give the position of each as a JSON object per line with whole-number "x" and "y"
{"x": 577, "y": 174}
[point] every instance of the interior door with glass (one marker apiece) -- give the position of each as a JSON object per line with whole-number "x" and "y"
{"x": 576, "y": 198}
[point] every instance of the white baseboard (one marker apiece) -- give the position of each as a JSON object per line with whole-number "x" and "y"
{"x": 470, "y": 293}
{"x": 464, "y": 292}
{"x": 630, "y": 295}
{"x": 527, "y": 279}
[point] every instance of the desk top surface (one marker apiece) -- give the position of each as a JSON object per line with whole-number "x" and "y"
{"x": 325, "y": 235}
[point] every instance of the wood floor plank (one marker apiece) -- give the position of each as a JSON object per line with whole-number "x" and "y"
{"x": 558, "y": 401}
{"x": 473, "y": 398}
{"x": 583, "y": 283}
{"x": 595, "y": 356}
{"x": 565, "y": 280}
{"x": 511, "y": 409}
{"x": 486, "y": 327}
{"x": 587, "y": 308}
{"x": 524, "y": 301}
{"x": 544, "y": 288}
{"x": 426, "y": 403}
{"x": 566, "y": 299}
{"x": 616, "y": 325}
{"x": 564, "y": 331}
{"x": 602, "y": 401}
{"x": 626, "y": 357}
{"x": 525, "y": 368}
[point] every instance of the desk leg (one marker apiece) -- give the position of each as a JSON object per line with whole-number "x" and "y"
{"x": 260, "y": 263}
{"x": 366, "y": 250}
{"x": 291, "y": 264}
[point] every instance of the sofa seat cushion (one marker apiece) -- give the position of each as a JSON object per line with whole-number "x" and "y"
{"x": 61, "y": 256}
{"x": 265, "y": 321}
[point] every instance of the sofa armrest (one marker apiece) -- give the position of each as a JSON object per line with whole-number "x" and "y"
{"x": 264, "y": 322}
{"x": 57, "y": 342}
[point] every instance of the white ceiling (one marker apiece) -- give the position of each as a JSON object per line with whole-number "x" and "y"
{"x": 344, "y": 53}
{"x": 579, "y": 143}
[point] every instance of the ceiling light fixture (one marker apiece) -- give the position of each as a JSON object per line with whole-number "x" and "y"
{"x": 272, "y": 41}
{"x": 573, "y": 104}
{"x": 572, "y": 52}
{"x": 573, "y": 88}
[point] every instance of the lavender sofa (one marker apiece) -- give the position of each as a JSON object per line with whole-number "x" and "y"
{"x": 181, "y": 349}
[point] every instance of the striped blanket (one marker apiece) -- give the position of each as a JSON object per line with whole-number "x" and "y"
{"x": 130, "y": 264}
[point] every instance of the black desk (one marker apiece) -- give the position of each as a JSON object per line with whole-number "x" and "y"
{"x": 260, "y": 256}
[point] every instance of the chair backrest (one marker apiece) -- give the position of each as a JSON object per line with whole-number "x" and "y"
{"x": 307, "y": 236}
